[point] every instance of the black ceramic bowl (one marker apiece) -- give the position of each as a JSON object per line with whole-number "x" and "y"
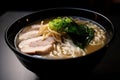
{"x": 59, "y": 67}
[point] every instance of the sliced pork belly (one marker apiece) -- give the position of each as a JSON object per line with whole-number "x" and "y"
{"x": 37, "y": 45}
{"x": 35, "y": 27}
{"x": 28, "y": 35}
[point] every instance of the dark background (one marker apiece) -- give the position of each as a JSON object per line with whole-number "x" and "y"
{"x": 103, "y": 6}
{"x": 10, "y": 11}
{"x": 106, "y": 7}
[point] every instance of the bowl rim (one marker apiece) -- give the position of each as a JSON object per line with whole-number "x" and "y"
{"x": 42, "y": 10}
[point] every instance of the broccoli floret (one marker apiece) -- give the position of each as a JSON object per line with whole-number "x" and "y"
{"x": 59, "y": 24}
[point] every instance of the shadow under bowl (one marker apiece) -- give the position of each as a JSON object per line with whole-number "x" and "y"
{"x": 56, "y": 67}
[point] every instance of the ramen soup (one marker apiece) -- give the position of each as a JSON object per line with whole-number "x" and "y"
{"x": 61, "y": 37}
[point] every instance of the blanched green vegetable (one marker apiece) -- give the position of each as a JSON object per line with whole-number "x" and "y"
{"x": 80, "y": 34}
